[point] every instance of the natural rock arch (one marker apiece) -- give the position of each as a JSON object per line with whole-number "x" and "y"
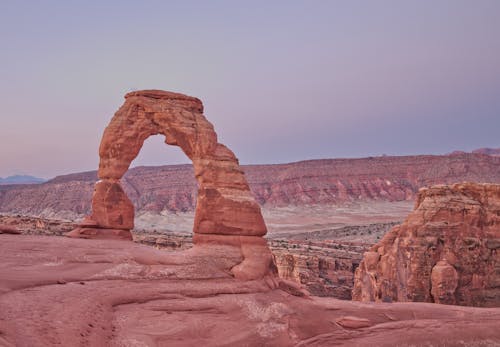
{"x": 226, "y": 212}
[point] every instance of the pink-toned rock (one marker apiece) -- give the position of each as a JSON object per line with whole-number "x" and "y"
{"x": 446, "y": 251}
{"x": 444, "y": 283}
{"x": 8, "y": 229}
{"x": 57, "y": 291}
{"x": 257, "y": 259}
{"x": 225, "y": 207}
{"x": 224, "y": 204}
{"x": 324, "y": 268}
{"x": 100, "y": 234}
{"x": 314, "y": 182}
{"x": 351, "y": 322}
{"x": 111, "y": 208}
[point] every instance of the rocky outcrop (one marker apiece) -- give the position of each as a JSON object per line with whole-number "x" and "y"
{"x": 226, "y": 212}
{"x": 8, "y": 229}
{"x": 447, "y": 251}
{"x": 334, "y": 181}
{"x": 59, "y": 291}
{"x": 323, "y": 268}
{"x": 36, "y": 226}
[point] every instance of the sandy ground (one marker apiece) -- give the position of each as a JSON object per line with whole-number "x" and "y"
{"x": 294, "y": 218}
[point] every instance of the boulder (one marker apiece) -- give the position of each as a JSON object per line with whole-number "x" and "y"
{"x": 8, "y": 229}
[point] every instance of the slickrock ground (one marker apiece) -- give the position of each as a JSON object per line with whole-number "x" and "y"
{"x": 447, "y": 251}
{"x": 74, "y": 292}
{"x": 322, "y": 261}
{"x": 323, "y": 268}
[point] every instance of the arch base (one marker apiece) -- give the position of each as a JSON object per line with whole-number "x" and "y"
{"x": 226, "y": 216}
{"x": 100, "y": 234}
{"x": 257, "y": 259}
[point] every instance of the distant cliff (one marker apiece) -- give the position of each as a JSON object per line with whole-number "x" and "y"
{"x": 445, "y": 252}
{"x": 21, "y": 179}
{"x": 489, "y": 151}
{"x": 330, "y": 181}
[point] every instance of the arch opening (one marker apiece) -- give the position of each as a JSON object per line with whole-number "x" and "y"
{"x": 226, "y": 212}
{"x": 154, "y": 152}
{"x": 162, "y": 206}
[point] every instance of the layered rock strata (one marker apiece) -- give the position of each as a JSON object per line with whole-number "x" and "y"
{"x": 226, "y": 211}
{"x": 323, "y": 268}
{"x": 36, "y": 226}
{"x": 173, "y": 188}
{"x": 447, "y": 251}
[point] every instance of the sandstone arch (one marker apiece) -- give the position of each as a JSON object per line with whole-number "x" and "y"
{"x": 226, "y": 212}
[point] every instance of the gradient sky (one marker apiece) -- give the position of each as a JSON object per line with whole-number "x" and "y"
{"x": 281, "y": 80}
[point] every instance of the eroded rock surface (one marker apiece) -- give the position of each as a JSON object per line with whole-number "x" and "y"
{"x": 173, "y": 188}
{"x": 75, "y": 292}
{"x": 8, "y": 229}
{"x": 36, "y": 226}
{"x": 323, "y": 268}
{"x": 224, "y": 204}
{"x": 226, "y": 212}
{"x": 446, "y": 251}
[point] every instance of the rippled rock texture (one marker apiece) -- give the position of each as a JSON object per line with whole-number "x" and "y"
{"x": 447, "y": 251}
{"x": 57, "y": 291}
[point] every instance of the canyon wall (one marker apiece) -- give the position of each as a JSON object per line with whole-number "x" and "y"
{"x": 333, "y": 181}
{"x": 323, "y": 268}
{"x": 447, "y": 251}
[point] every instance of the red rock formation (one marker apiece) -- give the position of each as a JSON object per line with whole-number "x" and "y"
{"x": 323, "y": 268}
{"x": 36, "y": 226}
{"x": 71, "y": 292}
{"x": 226, "y": 212}
{"x": 444, "y": 283}
{"x": 334, "y": 181}
{"x": 8, "y": 229}
{"x": 446, "y": 251}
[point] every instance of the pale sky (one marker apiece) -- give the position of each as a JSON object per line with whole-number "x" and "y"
{"x": 281, "y": 80}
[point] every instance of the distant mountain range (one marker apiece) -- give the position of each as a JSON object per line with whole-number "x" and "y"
{"x": 330, "y": 181}
{"x": 494, "y": 152}
{"x": 489, "y": 151}
{"x": 21, "y": 179}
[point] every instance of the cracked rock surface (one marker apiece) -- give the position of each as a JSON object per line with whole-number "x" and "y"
{"x": 57, "y": 291}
